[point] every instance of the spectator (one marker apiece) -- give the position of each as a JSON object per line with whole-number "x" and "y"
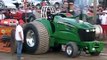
{"x": 57, "y": 7}
{"x": 2, "y": 16}
{"x": 21, "y": 22}
{"x": 99, "y": 14}
{"x": 37, "y": 12}
{"x": 19, "y": 40}
{"x": 65, "y": 7}
{"x": 44, "y": 3}
{"x": 8, "y": 14}
{"x": 71, "y": 7}
{"x": 103, "y": 18}
{"x": 90, "y": 15}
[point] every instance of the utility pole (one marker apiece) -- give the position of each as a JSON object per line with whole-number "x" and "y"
{"x": 95, "y": 11}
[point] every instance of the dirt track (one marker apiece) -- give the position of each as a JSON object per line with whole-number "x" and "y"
{"x": 54, "y": 56}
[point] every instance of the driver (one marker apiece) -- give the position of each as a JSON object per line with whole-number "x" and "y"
{"x": 49, "y": 15}
{"x": 8, "y": 14}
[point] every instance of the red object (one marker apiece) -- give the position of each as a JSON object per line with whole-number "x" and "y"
{"x": 90, "y": 14}
{"x": 43, "y": 3}
{"x": 68, "y": 14}
{"x": 21, "y": 22}
{"x": 8, "y": 14}
{"x": 104, "y": 28}
{"x": 8, "y": 22}
{"x": 18, "y": 15}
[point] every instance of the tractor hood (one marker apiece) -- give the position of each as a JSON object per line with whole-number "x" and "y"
{"x": 76, "y": 23}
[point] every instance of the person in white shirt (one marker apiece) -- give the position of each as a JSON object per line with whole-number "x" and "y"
{"x": 104, "y": 18}
{"x": 19, "y": 40}
{"x": 2, "y": 16}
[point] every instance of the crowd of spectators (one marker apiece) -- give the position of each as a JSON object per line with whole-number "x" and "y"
{"x": 102, "y": 18}
{"x": 66, "y": 7}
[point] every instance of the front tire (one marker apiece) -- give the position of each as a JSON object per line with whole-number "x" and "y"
{"x": 71, "y": 50}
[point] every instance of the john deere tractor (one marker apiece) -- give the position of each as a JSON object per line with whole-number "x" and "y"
{"x": 57, "y": 31}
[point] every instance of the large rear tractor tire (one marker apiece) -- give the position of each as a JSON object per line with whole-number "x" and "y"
{"x": 36, "y": 38}
{"x": 71, "y": 50}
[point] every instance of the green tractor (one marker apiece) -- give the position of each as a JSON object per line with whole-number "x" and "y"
{"x": 61, "y": 33}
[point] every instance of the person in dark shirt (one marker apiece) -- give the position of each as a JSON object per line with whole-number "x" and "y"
{"x": 8, "y": 14}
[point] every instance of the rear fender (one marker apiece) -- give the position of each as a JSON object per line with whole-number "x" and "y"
{"x": 47, "y": 25}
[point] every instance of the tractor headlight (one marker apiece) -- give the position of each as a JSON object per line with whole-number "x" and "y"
{"x": 93, "y": 30}
{"x": 93, "y": 49}
{"x": 87, "y": 30}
